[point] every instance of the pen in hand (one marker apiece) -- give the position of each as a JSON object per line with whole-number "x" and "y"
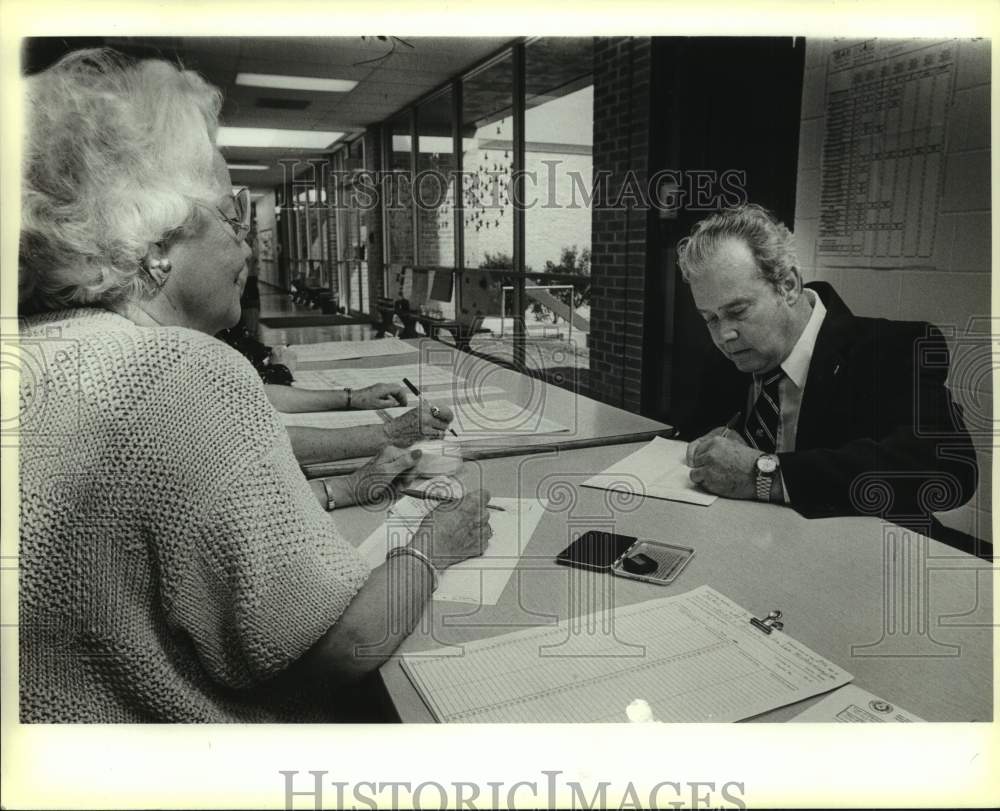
{"x": 415, "y": 493}
{"x": 732, "y": 424}
{"x": 435, "y": 411}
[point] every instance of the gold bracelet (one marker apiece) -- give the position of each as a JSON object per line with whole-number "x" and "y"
{"x": 409, "y": 550}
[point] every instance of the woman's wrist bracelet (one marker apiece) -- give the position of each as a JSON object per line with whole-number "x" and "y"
{"x": 416, "y": 553}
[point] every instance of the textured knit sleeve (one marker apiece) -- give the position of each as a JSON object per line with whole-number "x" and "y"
{"x": 253, "y": 570}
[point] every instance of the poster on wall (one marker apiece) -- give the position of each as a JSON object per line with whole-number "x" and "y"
{"x": 883, "y": 153}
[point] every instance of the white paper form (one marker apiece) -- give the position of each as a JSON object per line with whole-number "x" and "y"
{"x": 421, "y": 375}
{"x": 478, "y": 581}
{"x": 473, "y": 420}
{"x": 657, "y": 470}
{"x": 694, "y": 657}
{"x": 345, "y": 350}
{"x": 851, "y": 704}
{"x": 492, "y": 419}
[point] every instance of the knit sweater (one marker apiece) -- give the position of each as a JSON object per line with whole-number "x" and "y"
{"x": 173, "y": 560}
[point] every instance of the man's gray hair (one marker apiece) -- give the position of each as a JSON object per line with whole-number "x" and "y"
{"x": 116, "y": 152}
{"x": 770, "y": 242}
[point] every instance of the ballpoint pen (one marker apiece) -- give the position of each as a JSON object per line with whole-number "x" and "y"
{"x": 431, "y": 497}
{"x": 732, "y": 424}
{"x": 435, "y": 411}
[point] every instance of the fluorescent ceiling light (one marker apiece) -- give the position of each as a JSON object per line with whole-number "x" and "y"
{"x": 276, "y": 139}
{"x": 314, "y": 83}
{"x": 247, "y": 167}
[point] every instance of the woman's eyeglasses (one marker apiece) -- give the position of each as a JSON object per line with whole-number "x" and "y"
{"x": 241, "y": 222}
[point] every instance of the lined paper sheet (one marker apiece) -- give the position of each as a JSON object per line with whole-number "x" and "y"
{"x": 473, "y": 419}
{"x": 478, "y": 581}
{"x": 693, "y": 657}
{"x": 421, "y": 375}
{"x": 345, "y": 350}
{"x": 656, "y": 470}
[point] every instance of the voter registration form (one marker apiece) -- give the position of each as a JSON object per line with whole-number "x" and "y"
{"x": 694, "y": 657}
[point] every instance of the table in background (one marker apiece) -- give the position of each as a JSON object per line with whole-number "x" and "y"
{"x": 909, "y": 617}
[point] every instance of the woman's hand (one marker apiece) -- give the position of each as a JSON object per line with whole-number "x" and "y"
{"x": 423, "y": 422}
{"x": 285, "y": 356}
{"x": 373, "y": 481}
{"x": 381, "y": 395}
{"x": 455, "y": 530}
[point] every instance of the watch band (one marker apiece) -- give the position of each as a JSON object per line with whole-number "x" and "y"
{"x": 764, "y": 481}
{"x": 416, "y": 553}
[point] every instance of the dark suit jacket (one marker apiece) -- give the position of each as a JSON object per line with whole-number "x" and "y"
{"x": 878, "y": 433}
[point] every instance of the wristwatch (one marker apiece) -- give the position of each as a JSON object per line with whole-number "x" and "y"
{"x": 765, "y": 468}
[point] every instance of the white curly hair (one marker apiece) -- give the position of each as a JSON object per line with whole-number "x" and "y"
{"x": 116, "y": 153}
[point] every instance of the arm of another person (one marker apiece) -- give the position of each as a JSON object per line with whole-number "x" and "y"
{"x": 314, "y": 445}
{"x": 918, "y": 457}
{"x": 294, "y": 400}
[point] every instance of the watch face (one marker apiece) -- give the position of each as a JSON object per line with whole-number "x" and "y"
{"x": 767, "y": 464}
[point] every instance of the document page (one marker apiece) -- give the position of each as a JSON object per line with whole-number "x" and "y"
{"x": 473, "y": 419}
{"x": 850, "y": 704}
{"x": 693, "y": 657}
{"x": 345, "y": 350}
{"x": 656, "y": 470}
{"x": 478, "y": 581}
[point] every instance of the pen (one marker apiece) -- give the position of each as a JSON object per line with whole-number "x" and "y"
{"x": 732, "y": 424}
{"x": 430, "y": 497}
{"x": 435, "y": 411}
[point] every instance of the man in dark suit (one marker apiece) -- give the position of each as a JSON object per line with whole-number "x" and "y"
{"x": 809, "y": 405}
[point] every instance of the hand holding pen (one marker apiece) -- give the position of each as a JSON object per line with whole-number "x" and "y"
{"x": 692, "y": 447}
{"x": 732, "y": 424}
{"x": 436, "y": 412}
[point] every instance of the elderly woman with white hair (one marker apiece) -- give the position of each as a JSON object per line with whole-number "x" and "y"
{"x": 175, "y": 565}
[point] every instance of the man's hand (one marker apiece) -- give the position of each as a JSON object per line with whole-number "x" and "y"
{"x": 723, "y": 465}
{"x": 381, "y": 395}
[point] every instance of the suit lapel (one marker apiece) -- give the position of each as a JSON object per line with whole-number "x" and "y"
{"x": 827, "y": 369}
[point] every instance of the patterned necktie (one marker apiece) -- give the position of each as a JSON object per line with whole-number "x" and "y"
{"x": 761, "y": 427}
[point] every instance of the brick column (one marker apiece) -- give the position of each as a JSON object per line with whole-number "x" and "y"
{"x": 619, "y": 233}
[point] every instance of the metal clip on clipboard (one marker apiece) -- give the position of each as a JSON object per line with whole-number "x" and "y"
{"x": 772, "y": 622}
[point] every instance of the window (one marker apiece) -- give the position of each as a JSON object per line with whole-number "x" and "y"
{"x": 397, "y": 199}
{"x": 487, "y": 163}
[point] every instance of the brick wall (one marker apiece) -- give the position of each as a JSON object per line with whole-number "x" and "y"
{"x": 948, "y": 283}
{"x": 618, "y": 237}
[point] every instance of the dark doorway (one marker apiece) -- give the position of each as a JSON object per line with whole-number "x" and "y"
{"x": 724, "y": 125}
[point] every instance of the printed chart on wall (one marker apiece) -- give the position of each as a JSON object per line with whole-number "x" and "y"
{"x": 883, "y": 152}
